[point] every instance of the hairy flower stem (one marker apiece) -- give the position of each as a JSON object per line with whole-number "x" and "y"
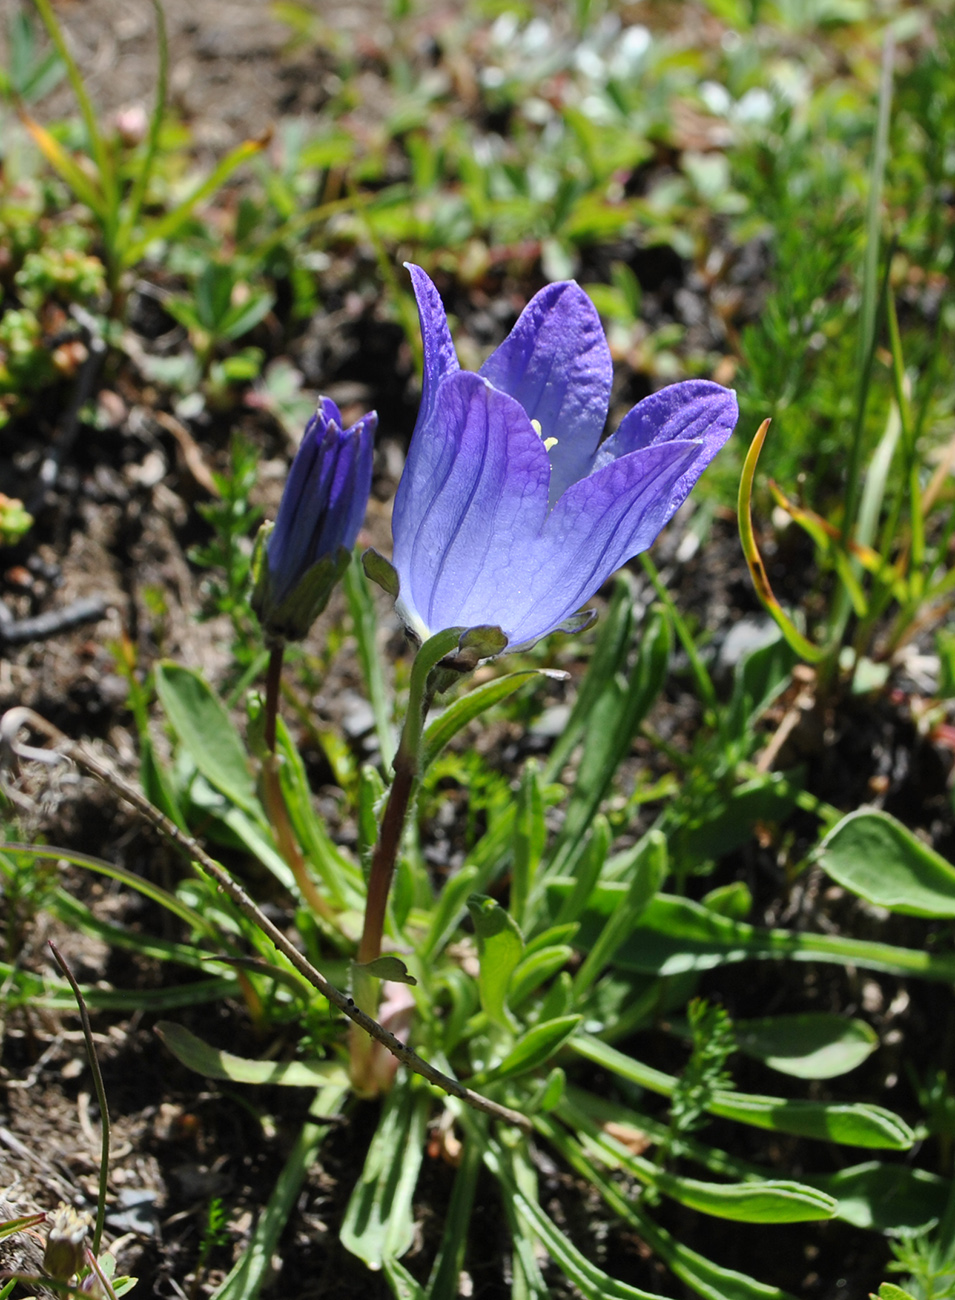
{"x": 385, "y": 857}
{"x": 273, "y": 682}
{"x": 407, "y": 762}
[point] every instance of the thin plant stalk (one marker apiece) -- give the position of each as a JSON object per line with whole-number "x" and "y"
{"x": 406, "y": 767}
{"x": 273, "y": 682}
{"x": 20, "y": 716}
{"x": 704, "y": 682}
{"x": 272, "y": 788}
{"x": 385, "y": 857}
{"x": 100, "y": 1098}
{"x": 842, "y": 604}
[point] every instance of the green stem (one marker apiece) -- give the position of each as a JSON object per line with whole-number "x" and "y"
{"x": 704, "y": 682}
{"x": 100, "y": 1098}
{"x": 273, "y": 682}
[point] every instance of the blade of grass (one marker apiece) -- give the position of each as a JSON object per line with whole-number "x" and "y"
{"x": 254, "y": 1268}
{"x": 365, "y": 623}
{"x": 98, "y": 146}
{"x": 747, "y": 536}
{"x": 100, "y": 1098}
{"x": 61, "y": 162}
{"x": 166, "y": 226}
{"x": 141, "y": 183}
{"x": 145, "y": 887}
{"x": 870, "y": 281}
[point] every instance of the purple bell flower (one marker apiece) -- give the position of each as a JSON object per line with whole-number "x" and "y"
{"x": 305, "y": 552}
{"x": 511, "y": 512}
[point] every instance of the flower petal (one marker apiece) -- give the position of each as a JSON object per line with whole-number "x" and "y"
{"x": 472, "y": 496}
{"x": 599, "y": 524}
{"x": 303, "y": 509}
{"x": 557, "y": 364}
{"x": 348, "y": 495}
{"x": 440, "y": 358}
{"x": 694, "y": 410}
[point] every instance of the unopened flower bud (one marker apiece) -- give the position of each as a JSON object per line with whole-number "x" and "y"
{"x": 65, "y": 1243}
{"x": 303, "y": 554}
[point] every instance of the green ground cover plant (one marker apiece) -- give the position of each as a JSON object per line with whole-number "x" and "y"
{"x": 550, "y": 995}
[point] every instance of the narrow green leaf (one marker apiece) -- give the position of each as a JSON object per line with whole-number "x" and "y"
{"x": 614, "y": 639}
{"x": 254, "y": 1267}
{"x": 535, "y": 1048}
{"x": 465, "y": 709}
{"x": 586, "y": 869}
{"x": 889, "y": 1291}
{"x": 361, "y": 606}
{"x": 676, "y": 935}
{"x": 592, "y": 1281}
{"x": 206, "y": 732}
{"x": 533, "y": 971}
{"x": 876, "y": 857}
{"x": 895, "y": 1199}
{"x": 648, "y": 872}
{"x": 139, "y": 883}
{"x": 9, "y": 1227}
{"x": 402, "y": 1283}
{"x": 814, "y": 1045}
{"x": 445, "y": 1279}
{"x": 848, "y": 1123}
{"x": 758, "y": 680}
{"x": 166, "y": 226}
{"x": 500, "y": 947}
{"x": 614, "y": 718}
{"x": 858, "y": 1124}
{"x": 379, "y": 1221}
{"x": 530, "y": 836}
{"x": 775, "y": 1201}
{"x": 450, "y": 903}
{"x": 709, "y": 1280}
{"x": 50, "y": 994}
{"x": 340, "y": 875}
{"x": 69, "y": 171}
{"x": 216, "y": 1064}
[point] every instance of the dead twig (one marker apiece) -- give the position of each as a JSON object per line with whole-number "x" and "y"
{"x": 88, "y": 609}
{"x": 10, "y": 724}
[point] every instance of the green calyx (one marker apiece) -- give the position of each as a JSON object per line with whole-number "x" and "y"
{"x": 291, "y": 619}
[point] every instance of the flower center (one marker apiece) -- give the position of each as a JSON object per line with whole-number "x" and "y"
{"x": 548, "y": 442}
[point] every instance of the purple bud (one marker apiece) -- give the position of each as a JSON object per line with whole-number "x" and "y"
{"x": 318, "y": 519}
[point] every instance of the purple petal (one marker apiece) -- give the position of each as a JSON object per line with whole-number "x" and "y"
{"x": 440, "y": 359}
{"x": 557, "y": 364}
{"x": 472, "y": 496}
{"x": 599, "y": 524}
{"x": 696, "y": 410}
{"x": 351, "y": 483}
{"x": 325, "y": 495}
{"x": 302, "y": 510}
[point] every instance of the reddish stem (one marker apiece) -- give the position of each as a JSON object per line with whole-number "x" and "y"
{"x": 384, "y": 859}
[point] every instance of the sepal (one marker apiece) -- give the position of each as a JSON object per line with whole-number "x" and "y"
{"x": 381, "y": 571}
{"x": 475, "y": 644}
{"x": 292, "y": 619}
